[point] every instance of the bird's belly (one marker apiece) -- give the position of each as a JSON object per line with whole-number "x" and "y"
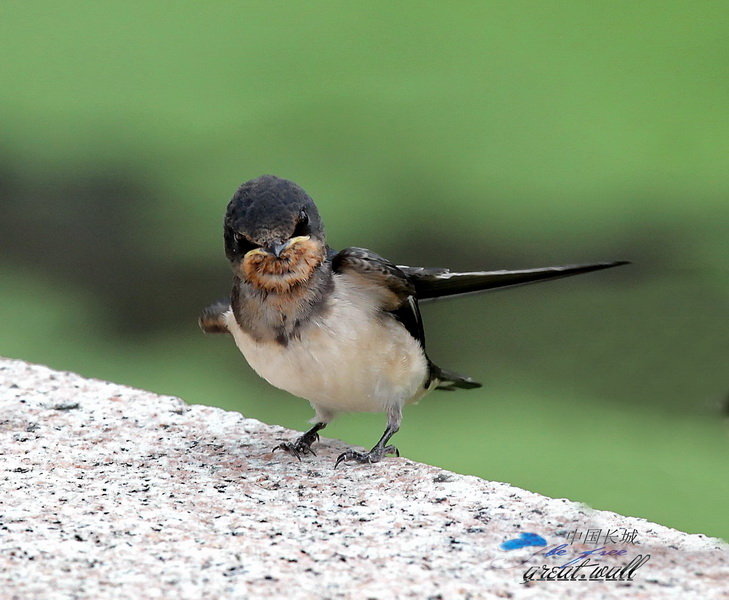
{"x": 347, "y": 361}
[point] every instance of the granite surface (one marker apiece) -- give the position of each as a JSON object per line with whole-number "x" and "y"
{"x": 113, "y": 492}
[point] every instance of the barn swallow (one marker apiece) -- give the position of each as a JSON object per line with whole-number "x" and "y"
{"x": 339, "y": 329}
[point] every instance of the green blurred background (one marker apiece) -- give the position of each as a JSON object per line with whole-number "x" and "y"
{"x": 473, "y": 135}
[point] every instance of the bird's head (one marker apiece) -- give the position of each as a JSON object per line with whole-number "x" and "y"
{"x": 274, "y": 236}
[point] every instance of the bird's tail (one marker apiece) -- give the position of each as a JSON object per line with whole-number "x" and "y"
{"x": 450, "y": 381}
{"x": 431, "y": 284}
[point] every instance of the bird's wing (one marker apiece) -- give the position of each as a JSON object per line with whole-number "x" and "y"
{"x": 390, "y": 288}
{"x": 212, "y": 319}
{"x": 439, "y": 283}
{"x": 396, "y": 294}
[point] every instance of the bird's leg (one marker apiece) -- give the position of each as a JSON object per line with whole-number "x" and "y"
{"x": 381, "y": 449}
{"x": 302, "y": 444}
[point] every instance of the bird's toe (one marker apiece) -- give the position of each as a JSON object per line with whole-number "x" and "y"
{"x": 375, "y": 455}
{"x": 300, "y": 446}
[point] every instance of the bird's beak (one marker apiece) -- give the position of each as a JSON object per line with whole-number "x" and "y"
{"x": 277, "y": 248}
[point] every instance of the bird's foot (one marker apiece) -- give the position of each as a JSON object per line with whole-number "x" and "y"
{"x": 300, "y": 446}
{"x": 375, "y": 455}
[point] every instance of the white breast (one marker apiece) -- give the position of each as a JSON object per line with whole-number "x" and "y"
{"x": 350, "y": 357}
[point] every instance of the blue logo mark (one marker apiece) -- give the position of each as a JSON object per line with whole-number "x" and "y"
{"x": 524, "y": 540}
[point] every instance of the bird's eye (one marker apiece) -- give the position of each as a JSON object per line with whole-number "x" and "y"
{"x": 242, "y": 243}
{"x": 302, "y": 225}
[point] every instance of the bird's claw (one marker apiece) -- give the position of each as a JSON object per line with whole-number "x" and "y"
{"x": 300, "y": 446}
{"x": 375, "y": 455}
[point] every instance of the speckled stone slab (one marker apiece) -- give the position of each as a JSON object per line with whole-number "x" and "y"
{"x": 113, "y": 492}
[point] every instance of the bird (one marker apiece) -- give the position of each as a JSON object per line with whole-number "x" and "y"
{"x": 341, "y": 329}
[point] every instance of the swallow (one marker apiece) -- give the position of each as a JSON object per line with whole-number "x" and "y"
{"x": 343, "y": 329}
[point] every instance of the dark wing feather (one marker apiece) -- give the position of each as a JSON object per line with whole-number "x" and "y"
{"x": 409, "y": 315}
{"x": 439, "y": 283}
